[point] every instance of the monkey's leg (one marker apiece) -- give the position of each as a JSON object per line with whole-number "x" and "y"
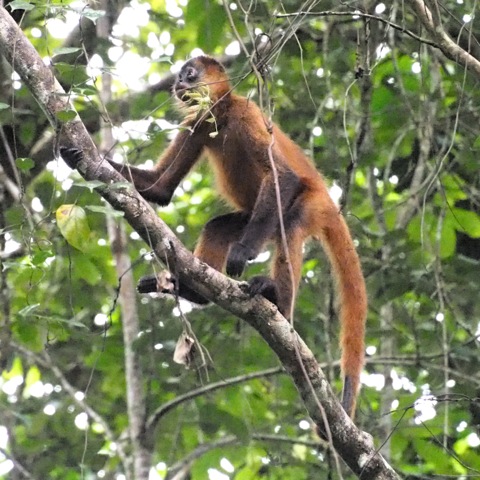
{"x": 282, "y": 287}
{"x": 217, "y": 236}
{"x": 212, "y": 248}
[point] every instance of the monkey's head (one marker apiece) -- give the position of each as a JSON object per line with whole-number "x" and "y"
{"x": 199, "y": 77}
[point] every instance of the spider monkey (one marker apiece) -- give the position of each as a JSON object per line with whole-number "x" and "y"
{"x": 231, "y": 130}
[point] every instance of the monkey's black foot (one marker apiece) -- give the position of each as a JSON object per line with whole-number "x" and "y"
{"x": 71, "y": 156}
{"x": 147, "y": 284}
{"x": 161, "y": 283}
{"x": 237, "y": 259}
{"x": 165, "y": 282}
{"x": 264, "y": 286}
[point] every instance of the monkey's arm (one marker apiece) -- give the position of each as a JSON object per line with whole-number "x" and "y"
{"x": 264, "y": 220}
{"x": 158, "y": 185}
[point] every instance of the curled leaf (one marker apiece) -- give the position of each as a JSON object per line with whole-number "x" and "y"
{"x": 73, "y": 225}
{"x": 184, "y": 350}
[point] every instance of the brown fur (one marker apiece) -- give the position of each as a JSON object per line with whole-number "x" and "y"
{"x": 237, "y": 144}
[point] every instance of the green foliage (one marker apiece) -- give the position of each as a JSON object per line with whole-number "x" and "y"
{"x": 210, "y": 21}
{"x": 413, "y": 114}
{"x": 24, "y": 164}
{"x": 73, "y": 224}
{"x": 21, "y": 5}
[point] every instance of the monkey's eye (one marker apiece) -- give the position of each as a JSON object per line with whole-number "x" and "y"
{"x": 191, "y": 74}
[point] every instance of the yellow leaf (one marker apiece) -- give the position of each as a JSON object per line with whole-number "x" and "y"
{"x": 73, "y": 225}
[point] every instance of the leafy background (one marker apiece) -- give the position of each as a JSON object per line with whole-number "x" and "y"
{"x": 377, "y": 109}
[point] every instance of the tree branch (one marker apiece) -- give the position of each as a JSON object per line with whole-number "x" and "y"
{"x": 330, "y": 13}
{"x": 182, "y": 467}
{"x": 16, "y": 464}
{"x": 166, "y": 407}
{"x": 449, "y": 48}
{"x": 134, "y": 377}
{"x": 355, "y": 447}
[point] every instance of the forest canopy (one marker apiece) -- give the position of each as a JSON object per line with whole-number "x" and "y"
{"x": 383, "y": 97}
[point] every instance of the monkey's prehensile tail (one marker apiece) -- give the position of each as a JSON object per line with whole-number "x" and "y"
{"x": 339, "y": 246}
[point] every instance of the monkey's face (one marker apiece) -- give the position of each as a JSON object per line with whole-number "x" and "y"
{"x": 201, "y": 77}
{"x": 187, "y": 80}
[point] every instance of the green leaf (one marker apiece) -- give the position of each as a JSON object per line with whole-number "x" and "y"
{"x": 24, "y": 164}
{"x": 15, "y": 371}
{"x": 21, "y": 5}
{"x": 210, "y": 19}
{"x": 248, "y": 472}
{"x": 39, "y": 257}
{"x": 66, "y": 115}
{"x": 86, "y": 269}
{"x": 448, "y": 240}
{"x": 66, "y": 50}
{"x": 91, "y": 185}
{"x": 212, "y": 417}
{"x": 73, "y": 225}
{"x": 28, "y": 310}
{"x": 300, "y": 452}
{"x": 211, "y": 28}
{"x": 428, "y": 451}
{"x": 235, "y": 425}
{"x": 30, "y": 333}
{"x": 33, "y": 376}
{"x": 72, "y": 74}
{"x": 105, "y": 210}
{"x": 3, "y": 106}
{"x": 85, "y": 90}
{"x": 195, "y": 9}
{"x": 91, "y": 14}
{"x": 453, "y": 188}
{"x": 466, "y": 221}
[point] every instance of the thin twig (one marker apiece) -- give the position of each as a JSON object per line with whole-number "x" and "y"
{"x": 330, "y": 13}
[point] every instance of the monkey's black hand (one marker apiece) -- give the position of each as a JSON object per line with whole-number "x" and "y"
{"x": 237, "y": 259}
{"x": 71, "y": 156}
{"x": 264, "y": 286}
